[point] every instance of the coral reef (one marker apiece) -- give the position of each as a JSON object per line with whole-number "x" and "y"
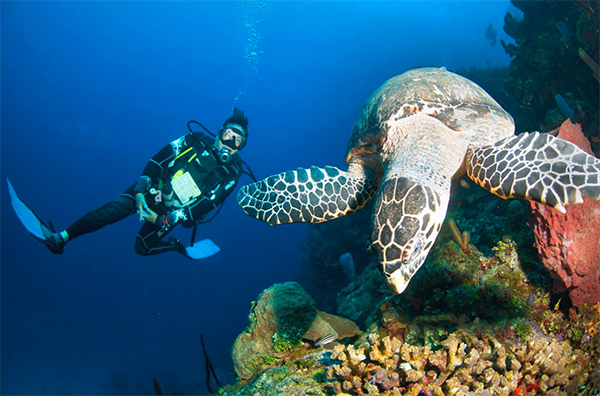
{"x": 473, "y": 358}
{"x": 569, "y": 244}
{"x": 277, "y": 381}
{"x": 556, "y": 52}
{"x": 593, "y": 386}
{"x": 471, "y": 284}
{"x": 487, "y": 219}
{"x": 356, "y": 301}
{"x": 470, "y": 324}
{"x": 462, "y": 238}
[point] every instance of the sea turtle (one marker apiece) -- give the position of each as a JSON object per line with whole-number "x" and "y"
{"x": 415, "y": 134}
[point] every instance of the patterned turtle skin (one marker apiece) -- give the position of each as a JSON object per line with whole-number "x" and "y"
{"x": 412, "y": 137}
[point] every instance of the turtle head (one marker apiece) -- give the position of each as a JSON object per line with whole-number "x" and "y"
{"x": 400, "y": 271}
{"x": 406, "y": 220}
{"x": 368, "y": 137}
{"x": 364, "y": 149}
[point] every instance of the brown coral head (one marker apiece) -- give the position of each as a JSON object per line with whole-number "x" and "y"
{"x": 392, "y": 322}
{"x": 380, "y": 375}
{"x": 391, "y": 382}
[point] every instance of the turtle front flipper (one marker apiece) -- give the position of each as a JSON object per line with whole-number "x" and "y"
{"x": 311, "y": 195}
{"x": 536, "y": 166}
{"x": 406, "y": 221}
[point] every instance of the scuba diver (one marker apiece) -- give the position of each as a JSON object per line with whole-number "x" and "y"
{"x": 181, "y": 184}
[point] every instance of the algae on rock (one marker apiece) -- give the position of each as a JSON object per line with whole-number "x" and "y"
{"x": 279, "y": 318}
{"x": 282, "y": 317}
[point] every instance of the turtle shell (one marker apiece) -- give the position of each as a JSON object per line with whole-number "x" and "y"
{"x": 457, "y": 102}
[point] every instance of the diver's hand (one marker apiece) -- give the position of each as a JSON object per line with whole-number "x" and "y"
{"x": 142, "y": 207}
{"x": 150, "y": 216}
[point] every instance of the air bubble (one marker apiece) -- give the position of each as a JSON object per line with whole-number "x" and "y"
{"x": 253, "y": 13}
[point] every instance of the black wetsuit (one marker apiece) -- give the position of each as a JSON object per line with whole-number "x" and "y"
{"x": 190, "y": 156}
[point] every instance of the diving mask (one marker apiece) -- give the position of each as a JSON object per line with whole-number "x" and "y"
{"x": 233, "y": 137}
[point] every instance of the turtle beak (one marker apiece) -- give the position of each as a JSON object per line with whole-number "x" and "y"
{"x": 406, "y": 220}
{"x": 398, "y": 280}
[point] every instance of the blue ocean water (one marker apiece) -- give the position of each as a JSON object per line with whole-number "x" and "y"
{"x": 92, "y": 90}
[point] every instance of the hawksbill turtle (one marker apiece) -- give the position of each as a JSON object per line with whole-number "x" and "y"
{"x": 415, "y": 134}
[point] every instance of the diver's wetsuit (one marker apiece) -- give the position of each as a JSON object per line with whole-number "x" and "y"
{"x": 190, "y": 156}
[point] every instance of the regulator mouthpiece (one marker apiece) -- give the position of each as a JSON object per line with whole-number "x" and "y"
{"x": 224, "y": 155}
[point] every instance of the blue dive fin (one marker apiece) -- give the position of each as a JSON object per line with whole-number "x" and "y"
{"x": 202, "y": 249}
{"x": 30, "y": 220}
{"x": 33, "y": 224}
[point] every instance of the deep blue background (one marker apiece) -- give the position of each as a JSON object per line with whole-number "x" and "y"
{"x": 90, "y": 91}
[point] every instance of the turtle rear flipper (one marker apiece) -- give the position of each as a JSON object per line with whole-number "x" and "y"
{"x": 311, "y": 195}
{"x": 538, "y": 167}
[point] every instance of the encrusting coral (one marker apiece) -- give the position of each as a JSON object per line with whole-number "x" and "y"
{"x": 466, "y": 362}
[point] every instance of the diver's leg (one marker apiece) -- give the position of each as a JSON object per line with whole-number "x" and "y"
{"x": 115, "y": 210}
{"x": 149, "y": 241}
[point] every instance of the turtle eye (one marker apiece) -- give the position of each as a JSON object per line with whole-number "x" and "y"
{"x": 416, "y": 247}
{"x": 365, "y": 148}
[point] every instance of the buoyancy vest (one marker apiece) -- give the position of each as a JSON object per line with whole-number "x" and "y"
{"x": 195, "y": 173}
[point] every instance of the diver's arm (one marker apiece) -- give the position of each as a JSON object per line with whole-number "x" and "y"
{"x": 154, "y": 169}
{"x": 169, "y": 220}
{"x": 142, "y": 208}
{"x": 150, "y": 175}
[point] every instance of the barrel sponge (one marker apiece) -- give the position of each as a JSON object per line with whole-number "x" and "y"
{"x": 294, "y": 309}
